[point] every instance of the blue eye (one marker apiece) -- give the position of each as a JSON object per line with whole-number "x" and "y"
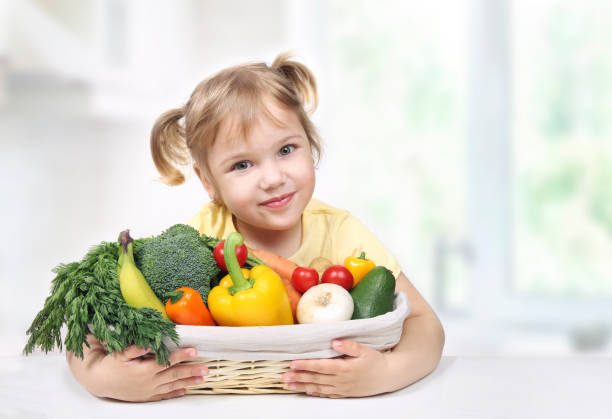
{"x": 287, "y": 149}
{"x": 241, "y": 165}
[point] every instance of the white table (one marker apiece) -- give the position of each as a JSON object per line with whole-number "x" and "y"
{"x": 41, "y": 386}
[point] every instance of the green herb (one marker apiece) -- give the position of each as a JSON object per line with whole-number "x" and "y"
{"x": 85, "y": 296}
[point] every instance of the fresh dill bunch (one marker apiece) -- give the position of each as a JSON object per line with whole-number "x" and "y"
{"x": 86, "y": 297}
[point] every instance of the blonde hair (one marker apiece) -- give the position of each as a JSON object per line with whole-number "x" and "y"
{"x": 183, "y": 135}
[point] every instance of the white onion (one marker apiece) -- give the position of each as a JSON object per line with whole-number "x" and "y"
{"x": 325, "y": 303}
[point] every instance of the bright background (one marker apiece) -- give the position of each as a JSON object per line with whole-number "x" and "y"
{"x": 473, "y": 137}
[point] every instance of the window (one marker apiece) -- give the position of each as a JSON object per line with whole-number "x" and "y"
{"x": 494, "y": 121}
{"x": 398, "y": 85}
{"x": 563, "y": 148}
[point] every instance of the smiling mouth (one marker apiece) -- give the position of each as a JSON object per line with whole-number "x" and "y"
{"x": 279, "y": 201}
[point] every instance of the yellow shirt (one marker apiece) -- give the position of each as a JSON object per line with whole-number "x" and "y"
{"x": 326, "y": 232}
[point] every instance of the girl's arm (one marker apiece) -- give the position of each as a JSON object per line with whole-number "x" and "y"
{"x": 131, "y": 375}
{"x": 420, "y": 347}
{"x": 365, "y": 371}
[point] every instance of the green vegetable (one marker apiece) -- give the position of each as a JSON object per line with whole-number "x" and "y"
{"x": 178, "y": 257}
{"x": 87, "y": 293}
{"x": 86, "y": 296}
{"x": 374, "y": 294}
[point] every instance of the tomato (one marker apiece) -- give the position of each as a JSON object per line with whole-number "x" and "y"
{"x": 304, "y": 278}
{"x": 339, "y": 275}
{"x": 241, "y": 254}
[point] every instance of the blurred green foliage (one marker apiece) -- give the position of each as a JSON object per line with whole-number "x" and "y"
{"x": 400, "y": 84}
{"x": 564, "y": 151}
{"x": 573, "y": 72}
{"x": 400, "y": 98}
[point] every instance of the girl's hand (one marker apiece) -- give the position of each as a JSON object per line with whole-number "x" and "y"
{"x": 360, "y": 373}
{"x": 132, "y": 376}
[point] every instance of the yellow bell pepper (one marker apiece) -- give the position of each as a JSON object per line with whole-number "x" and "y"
{"x": 358, "y": 266}
{"x": 248, "y": 298}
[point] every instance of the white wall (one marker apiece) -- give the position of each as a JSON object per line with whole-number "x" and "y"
{"x": 75, "y": 163}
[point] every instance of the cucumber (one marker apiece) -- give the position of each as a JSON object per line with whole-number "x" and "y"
{"x": 374, "y": 294}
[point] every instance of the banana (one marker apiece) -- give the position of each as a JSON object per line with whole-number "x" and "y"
{"x": 134, "y": 287}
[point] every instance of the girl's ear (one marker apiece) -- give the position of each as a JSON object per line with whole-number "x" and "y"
{"x": 210, "y": 189}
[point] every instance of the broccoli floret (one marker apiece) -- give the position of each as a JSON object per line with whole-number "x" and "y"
{"x": 177, "y": 258}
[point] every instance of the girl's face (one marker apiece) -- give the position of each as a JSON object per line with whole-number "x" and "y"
{"x": 266, "y": 179}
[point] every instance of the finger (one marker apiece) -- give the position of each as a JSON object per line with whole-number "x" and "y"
{"x": 330, "y": 396}
{"x": 308, "y": 377}
{"x": 170, "y": 395}
{"x": 179, "y": 384}
{"x": 349, "y": 347}
{"x": 178, "y": 372}
{"x": 321, "y": 389}
{"x": 177, "y": 356}
{"x": 184, "y": 354}
{"x": 322, "y": 366}
{"x": 131, "y": 352}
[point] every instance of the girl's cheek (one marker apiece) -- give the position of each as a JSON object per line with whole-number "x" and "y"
{"x": 307, "y": 171}
{"x": 241, "y": 192}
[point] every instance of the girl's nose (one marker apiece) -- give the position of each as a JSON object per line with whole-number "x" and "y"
{"x": 272, "y": 176}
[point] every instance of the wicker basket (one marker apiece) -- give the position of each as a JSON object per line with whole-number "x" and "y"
{"x": 251, "y": 360}
{"x": 242, "y": 377}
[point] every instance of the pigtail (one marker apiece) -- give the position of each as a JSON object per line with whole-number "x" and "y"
{"x": 169, "y": 147}
{"x": 301, "y": 78}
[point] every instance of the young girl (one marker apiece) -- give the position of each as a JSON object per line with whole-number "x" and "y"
{"x": 247, "y": 132}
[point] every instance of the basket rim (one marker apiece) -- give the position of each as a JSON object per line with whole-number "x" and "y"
{"x": 297, "y": 341}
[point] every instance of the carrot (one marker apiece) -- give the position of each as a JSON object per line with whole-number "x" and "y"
{"x": 284, "y": 268}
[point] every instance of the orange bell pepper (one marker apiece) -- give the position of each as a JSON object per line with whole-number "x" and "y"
{"x": 185, "y": 306}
